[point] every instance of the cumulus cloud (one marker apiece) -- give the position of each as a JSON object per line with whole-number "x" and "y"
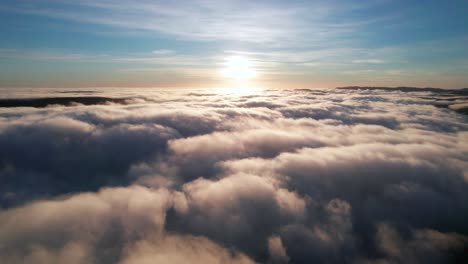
{"x": 425, "y": 245}
{"x": 272, "y": 176}
{"x": 115, "y": 225}
{"x": 57, "y": 155}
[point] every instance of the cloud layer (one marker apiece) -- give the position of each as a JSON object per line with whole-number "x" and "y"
{"x": 215, "y": 176}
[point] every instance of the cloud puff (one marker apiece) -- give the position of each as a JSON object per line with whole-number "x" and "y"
{"x": 422, "y": 245}
{"x": 277, "y": 250}
{"x": 115, "y": 225}
{"x": 57, "y": 155}
{"x": 272, "y": 176}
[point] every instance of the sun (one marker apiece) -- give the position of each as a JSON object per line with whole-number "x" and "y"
{"x": 238, "y": 67}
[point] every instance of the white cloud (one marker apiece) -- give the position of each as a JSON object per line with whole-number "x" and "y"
{"x": 209, "y": 175}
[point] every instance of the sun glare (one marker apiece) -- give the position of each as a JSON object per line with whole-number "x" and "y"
{"x": 238, "y": 67}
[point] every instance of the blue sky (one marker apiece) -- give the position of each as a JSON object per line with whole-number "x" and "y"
{"x": 55, "y": 43}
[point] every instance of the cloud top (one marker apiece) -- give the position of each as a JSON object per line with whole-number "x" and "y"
{"x": 271, "y": 176}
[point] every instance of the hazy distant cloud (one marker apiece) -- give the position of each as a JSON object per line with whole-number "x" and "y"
{"x": 271, "y": 176}
{"x": 163, "y": 52}
{"x": 369, "y": 61}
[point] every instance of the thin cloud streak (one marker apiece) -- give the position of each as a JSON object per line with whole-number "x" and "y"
{"x": 207, "y": 20}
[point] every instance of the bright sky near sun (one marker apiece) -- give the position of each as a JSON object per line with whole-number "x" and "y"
{"x": 58, "y": 43}
{"x": 238, "y": 67}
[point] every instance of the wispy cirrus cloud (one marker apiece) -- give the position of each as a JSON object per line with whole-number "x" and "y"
{"x": 260, "y": 22}
{"x": 299, "y": 42}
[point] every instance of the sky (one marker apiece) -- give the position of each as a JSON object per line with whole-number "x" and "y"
{"x": 285, "y": 44}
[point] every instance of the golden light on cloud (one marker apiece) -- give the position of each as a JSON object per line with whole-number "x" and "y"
{"x": 238, "y": 67}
